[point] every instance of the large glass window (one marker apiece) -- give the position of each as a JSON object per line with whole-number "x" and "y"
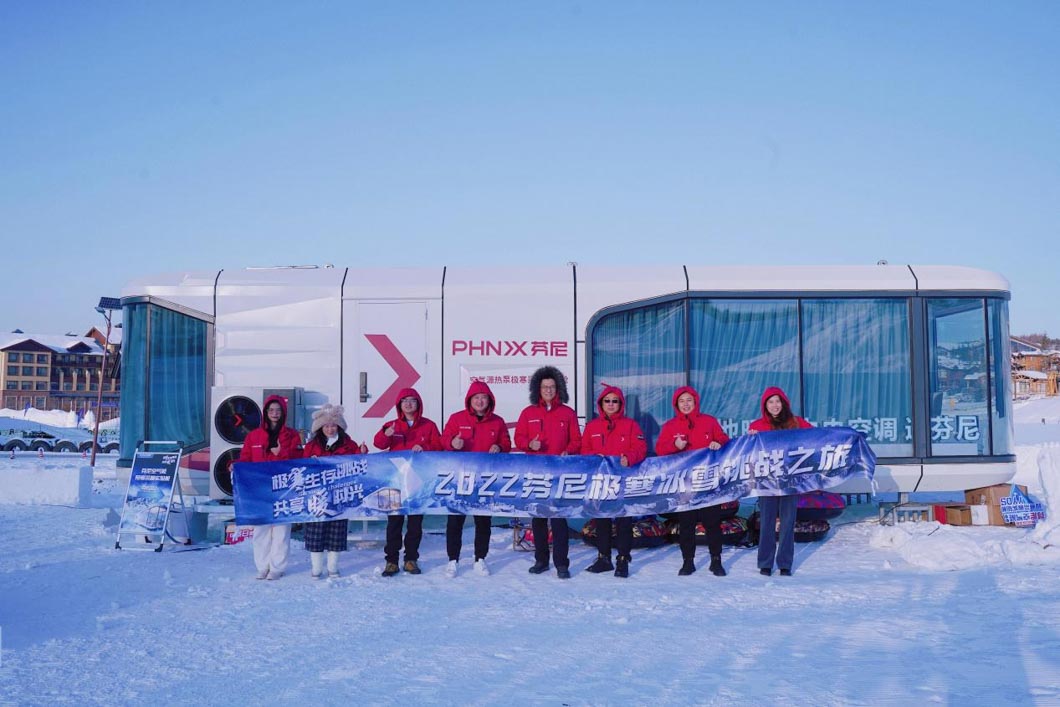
{"x": 164, "y": 364}
{"x": 842, "y": 361}
{"x": 957, "y": 377}
{"x": 738, "y": 348}
{"x": 642, "y": 351}
{"x": 856, "y": 369}
{"x": 1000, "y": 378}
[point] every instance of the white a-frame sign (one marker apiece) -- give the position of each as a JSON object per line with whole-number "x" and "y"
{"x": 149, "y": 498}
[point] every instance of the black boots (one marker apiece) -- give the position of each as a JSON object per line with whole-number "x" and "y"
{"x": 602, "y": 564}
{"x": 715, "y": 566}
{"x": 689, "y": 567}
{"x": 622, "y": 566}
{"x": 539, "y": 567}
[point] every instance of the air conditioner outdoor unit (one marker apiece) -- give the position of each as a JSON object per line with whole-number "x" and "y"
{"x": 234, "y": 412}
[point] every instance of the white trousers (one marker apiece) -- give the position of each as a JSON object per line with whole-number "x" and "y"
{"x": 272, "y": 545}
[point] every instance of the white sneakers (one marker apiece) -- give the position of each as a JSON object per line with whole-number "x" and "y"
{"x": 450, "y": 569}
{"x": 273, "y": 574}
{"x": 481, "y": 567}
{"x": 333, "y": 564}
{"x": 263, "y": 574}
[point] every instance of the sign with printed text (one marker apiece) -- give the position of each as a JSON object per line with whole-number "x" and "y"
{"x": 442, "y": 483}
{"x": 1018, "y": 509}
{"x": 150, "y": 492}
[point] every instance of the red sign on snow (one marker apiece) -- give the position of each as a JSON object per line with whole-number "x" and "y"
{"x": 406, "y": 374}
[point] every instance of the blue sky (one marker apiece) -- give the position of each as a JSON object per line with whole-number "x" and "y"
{"x": 148, "y": 137}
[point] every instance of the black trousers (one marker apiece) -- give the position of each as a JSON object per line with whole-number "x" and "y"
{"x": 412, "y": 537}
{"x": 560, "y": 541}
{"x": 710, "y": 517}
{"x": 623, "y": 535}
{"x": 454, "y": 536}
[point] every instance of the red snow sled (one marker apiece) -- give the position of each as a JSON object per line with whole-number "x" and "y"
{"x": 819, "y": 505}
{"x": 647, "y": 532}
{"x": 733, "y": 531}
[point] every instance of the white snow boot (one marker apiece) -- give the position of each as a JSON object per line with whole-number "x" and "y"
{"x": 316, "y": 559}
{"x": 333, "y": 564}
{"x": 450, "y": 569}
{"x": 481, "y": 567}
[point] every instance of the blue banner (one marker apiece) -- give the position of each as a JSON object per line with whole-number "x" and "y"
{"x": 442, "y": 483}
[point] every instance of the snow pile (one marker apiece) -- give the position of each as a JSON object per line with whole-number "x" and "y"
{"x": 937, "y": 547}
{"x": 46, "y": 481}
{"x": 55, "y": 418}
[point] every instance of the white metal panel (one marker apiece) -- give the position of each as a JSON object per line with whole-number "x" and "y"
{"x": 602, "y": 287}
{"x": 280, "y": 327}
{"x": 419, "y": 284}
{"x": 193, "y": 290}
{"x": 386, "y": 343}
{"x": 948, "y": 277}
{"x": 894, "y": 478}
{"x": 502, "y": 324}
{"x": 767, "y": 278}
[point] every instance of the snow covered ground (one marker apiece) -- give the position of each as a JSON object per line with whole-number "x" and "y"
{"x": 916, "y": 613}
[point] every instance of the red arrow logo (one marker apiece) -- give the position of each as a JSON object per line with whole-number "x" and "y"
{"x": 406, "y": 374}
{"x": 239, "y": 419}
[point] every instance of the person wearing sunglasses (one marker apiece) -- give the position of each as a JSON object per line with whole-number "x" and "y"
{"x": 613, "y": 434}
{"x": 412, "y": 432}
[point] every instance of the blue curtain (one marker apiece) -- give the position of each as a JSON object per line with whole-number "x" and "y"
{"x": 738, "y": 349}
{"x": 177, "y": 385}
{"x": 855, "y": 357}
{"x": 133, "y": 378}
{"x": 642, "y": 351}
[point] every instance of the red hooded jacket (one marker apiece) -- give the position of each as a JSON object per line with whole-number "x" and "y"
{"x": 256, "y": 445}
{"x": 478, "y": 433}
{"x": 344, "y": 446}
{"x": 556, "y": 429}
{"x": 698, "y": 428}
{"x": 616, "y": 435}
{"x": 765, "y": 423}
{"x": 422, "y": 431}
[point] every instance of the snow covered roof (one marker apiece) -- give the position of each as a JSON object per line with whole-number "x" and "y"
{"x": 1033, "y": 375}
{"x": 56, "y": 342}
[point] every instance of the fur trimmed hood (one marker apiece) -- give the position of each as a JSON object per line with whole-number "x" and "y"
{"x": 540, "y": 375}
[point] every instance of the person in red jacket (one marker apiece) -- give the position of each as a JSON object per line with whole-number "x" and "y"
{"x": 776, "y": 415}
{"x": 692, "y": 429}
{"x": 272, "y": 442}
{"x": 409, "y": 431}
{"x": 328, "y": 438}
{"x": 474, "y": 429}
{"x": 549, "y": 426}
{"x": 613, "y": 434}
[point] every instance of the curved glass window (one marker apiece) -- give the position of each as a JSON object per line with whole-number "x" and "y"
{"x": 164, "y": 378}
{"x": 642, "y": 351}
{"x": 856, "y": 369}
{"x": 738, "y": 348}
{"x": 1000, "y": 378}
{"x": 957, "y": 369}
{"x": 844, "y": 361}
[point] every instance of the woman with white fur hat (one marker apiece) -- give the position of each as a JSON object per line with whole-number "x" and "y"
{"x": 328, "y": 438}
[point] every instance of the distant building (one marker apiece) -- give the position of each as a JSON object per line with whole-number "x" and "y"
{"x": 1034, "y": 371}
{"x": 51, "y": 372}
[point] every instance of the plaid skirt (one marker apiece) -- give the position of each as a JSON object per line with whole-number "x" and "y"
{"x": 329, "y": 535}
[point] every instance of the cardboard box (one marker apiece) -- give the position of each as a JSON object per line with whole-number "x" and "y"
{"x": 953, "y": 513}
{"x": 958, "y": 514}
{"x": 991, "y": 496}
